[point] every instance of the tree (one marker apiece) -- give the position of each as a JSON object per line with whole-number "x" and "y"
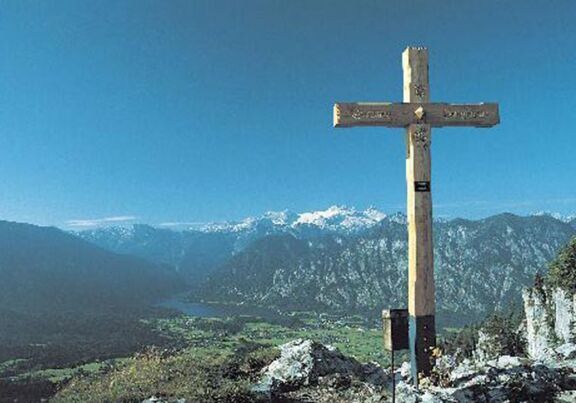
{"x": 562, "y": 270}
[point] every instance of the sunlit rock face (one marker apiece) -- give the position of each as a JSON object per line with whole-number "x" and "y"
{"x": 538, "y": 331}
{"x": 550, "y": 322}
{"x": 564, "y": 315}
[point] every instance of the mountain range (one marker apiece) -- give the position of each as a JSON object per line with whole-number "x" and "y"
{"x": 43, "y": 269}
{"x": 342, "y": 259}
{"x": 65, "y": 301}
{"x": 196, "y": 252}
{"x": 338, "y": 260}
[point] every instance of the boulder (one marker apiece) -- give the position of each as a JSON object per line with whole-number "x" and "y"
{"x": 566, "y": 351}
{"x": 507, "y": 362}
{"x": 304, "y": 362}
{"x": 311, "y": 372}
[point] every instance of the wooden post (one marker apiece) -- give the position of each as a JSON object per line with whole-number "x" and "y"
{"x": 418, "y": 115}
{"x": 421, "y": 306}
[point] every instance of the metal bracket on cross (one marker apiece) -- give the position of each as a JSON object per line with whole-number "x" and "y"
{"x": 395, "y": 327}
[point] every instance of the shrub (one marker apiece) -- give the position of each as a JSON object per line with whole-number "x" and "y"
{"x": 503, "y": 331}
{"x": 562, "y": 270}
{"x": 197, "y": 375}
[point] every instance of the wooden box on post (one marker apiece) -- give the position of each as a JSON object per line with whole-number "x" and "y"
{"x": 395, "y": 325}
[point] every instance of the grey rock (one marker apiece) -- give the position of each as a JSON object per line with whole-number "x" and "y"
{"x": 566, "y": 351}
{"x": 550, "y": 320}
{"x": 154, "y": 399}
{"x": 564, "y": 315}
{"x": 304, "y": 363}
{"x": 406, "y": 371}
{"x": 568, "y": 396}
{"x": 507, "y": 362}
{"x": 308, "y": 371}
{"x": 538, "y": 331}
{"x": 463, "y": 372}
{"x": 428, "y": 397}
{"x": 406, "y": 392}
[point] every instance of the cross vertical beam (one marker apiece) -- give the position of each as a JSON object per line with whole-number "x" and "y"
{"x": 421, "y": 306}
{"x": 418, "y": 115}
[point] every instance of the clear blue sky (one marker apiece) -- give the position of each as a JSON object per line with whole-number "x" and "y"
{"x": 204, "y": 110}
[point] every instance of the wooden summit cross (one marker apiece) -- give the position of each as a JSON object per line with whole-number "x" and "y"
{"x": 418, "y": 115}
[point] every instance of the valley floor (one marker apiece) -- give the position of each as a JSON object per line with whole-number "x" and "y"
{"x": 41, "y": 352}
{"x": 174, "y": 344}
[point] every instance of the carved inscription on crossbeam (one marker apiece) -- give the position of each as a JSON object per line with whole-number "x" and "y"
{"x": 404, "y": 114}
{"x": 360, "y": 114}
{"x": 465, "y": 114}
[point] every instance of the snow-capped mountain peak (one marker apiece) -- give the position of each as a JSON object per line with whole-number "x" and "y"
{"x": 230, "y": 226}
{"x": 557, "y": 216}
{"x": 321, "y": 217}
{"x": 282, "y": 218}
{"x": 333, "y": 219}
{"x": 340, "y": 218}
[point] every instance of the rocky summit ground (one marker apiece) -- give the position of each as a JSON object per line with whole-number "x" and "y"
{"x": 506, "y": 379}
{"x": 308, "y": 372}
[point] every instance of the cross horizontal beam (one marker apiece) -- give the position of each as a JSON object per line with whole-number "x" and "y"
{"x": 404, "y": 114}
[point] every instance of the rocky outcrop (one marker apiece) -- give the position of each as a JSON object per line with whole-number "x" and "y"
{"x": 538, "y": 329}
{"x": 550, "y": 321}
{"x": 564, "y": 315}
{"x": 310, "y": 372}
{"x": 507, "y": 379}
{"x": 487, "y": 347}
